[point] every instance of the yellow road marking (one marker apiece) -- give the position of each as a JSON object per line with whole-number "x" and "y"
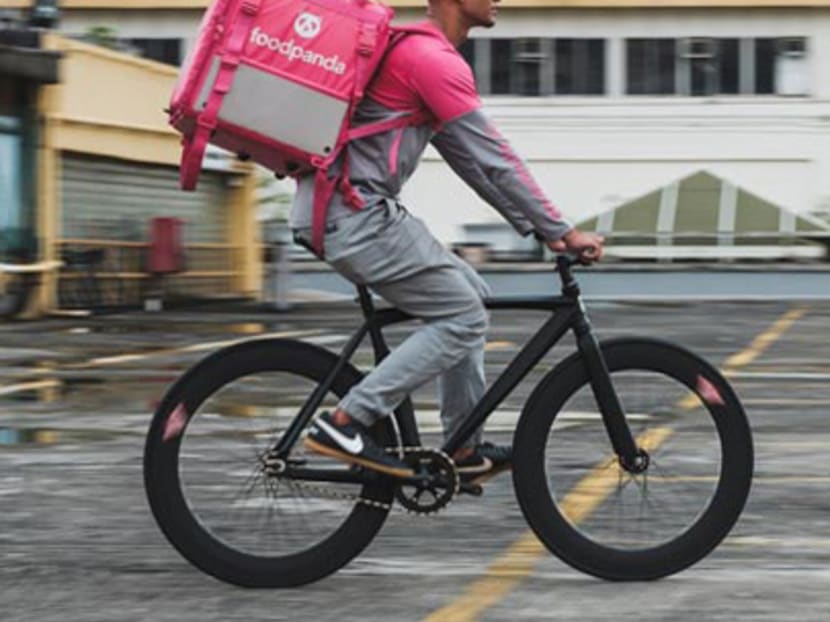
{"x": 764, "y": 340}
{"x": 36, "y": 385}
{"x": 498, "y": 345}
{"x": 518, "y": 561}
{"x": 593, "y": 489}
{"x": 753, "y": 351}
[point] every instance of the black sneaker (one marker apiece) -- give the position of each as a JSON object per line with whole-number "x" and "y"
{"x": 352, "y": 443}
{"x": 486, "y": 461}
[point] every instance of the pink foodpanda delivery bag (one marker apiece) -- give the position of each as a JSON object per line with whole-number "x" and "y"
{"x": 277, "y": 81}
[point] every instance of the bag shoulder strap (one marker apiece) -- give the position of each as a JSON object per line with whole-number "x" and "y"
{"x": 324, "y": 186}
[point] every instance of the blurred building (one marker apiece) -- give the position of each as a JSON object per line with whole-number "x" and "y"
{"x": 609, "y": 100}
{"x": 25, "y": 67}
{"x": 101, "y": 163}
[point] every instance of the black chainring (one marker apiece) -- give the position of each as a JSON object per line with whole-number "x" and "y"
{"x": 440, "y": 481}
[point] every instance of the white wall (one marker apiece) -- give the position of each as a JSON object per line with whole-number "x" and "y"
{"x": 592, "y": 154}
{"x": 591, "y": 157}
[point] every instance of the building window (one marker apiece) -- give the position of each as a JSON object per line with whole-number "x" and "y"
{"x": 690, "y": 66}
{"x": 781, "y": 66}
{"x": 729, "y": 62}
{"x": 500, "y": 64}
{"x": 703, "y": 66}
{"x": 167, "y": 51}
{"x": 528, "y": 62}
{"x": 708, "y": 67}
{"x": 580, "y": 66}
{"x": 537, "y": 66}
{"x": 468, "y": 51}
{"x": 765, "y": 66}
{"x": 650, "y": 66}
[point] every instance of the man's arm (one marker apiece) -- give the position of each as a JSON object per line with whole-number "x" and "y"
{"x": 484, "y": 158}
{"x": 472, "y": 174}
{"x": 487, "y": 162}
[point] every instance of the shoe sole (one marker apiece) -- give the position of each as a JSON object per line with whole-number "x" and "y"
{"x": 488, "y": 475}
{"x": 331, "y": 452}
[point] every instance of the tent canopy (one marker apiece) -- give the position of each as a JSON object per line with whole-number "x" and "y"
{"x": 701, "y": 209}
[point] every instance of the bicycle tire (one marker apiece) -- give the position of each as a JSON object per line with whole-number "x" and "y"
{"x": 567, "y": 525}
{"x": 164, "y": 481}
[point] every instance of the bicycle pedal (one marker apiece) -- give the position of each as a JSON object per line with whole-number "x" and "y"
{"x": 468, "y": 488}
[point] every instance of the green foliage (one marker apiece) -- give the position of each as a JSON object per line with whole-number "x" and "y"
{"x": 103, "y": 36}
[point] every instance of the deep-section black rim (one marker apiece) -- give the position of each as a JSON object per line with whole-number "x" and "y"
{"x": 592, "y": 536}
{"x": 208, "y": 542}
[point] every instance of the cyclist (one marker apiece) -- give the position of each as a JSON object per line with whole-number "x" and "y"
{"x": 386, "y": 248}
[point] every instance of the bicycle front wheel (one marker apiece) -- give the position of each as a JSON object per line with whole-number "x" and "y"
{"x": 212, "y": 493}
{"x": 619, "y": 525}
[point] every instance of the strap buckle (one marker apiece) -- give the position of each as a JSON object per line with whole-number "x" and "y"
{"x": 367, "y": 40}
{"x": 206, "y": 124}
{"x": 251, "y": 7}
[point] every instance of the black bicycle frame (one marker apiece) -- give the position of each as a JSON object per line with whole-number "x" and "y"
{"x": 568, "y": 314}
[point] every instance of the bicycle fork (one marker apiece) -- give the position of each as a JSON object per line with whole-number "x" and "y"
{"x": 631, "y": 458}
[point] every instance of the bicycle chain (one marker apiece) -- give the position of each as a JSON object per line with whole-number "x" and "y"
{"x": 336, "y": 494}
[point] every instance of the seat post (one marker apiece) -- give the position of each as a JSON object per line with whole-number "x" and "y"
{"x": 365, "y": 299}
{"x": 378, "y": 342}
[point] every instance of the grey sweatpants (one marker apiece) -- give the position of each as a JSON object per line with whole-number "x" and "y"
{"x": 395, "y": 254}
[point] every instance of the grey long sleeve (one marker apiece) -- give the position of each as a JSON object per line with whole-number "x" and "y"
{"x": 484, "y": 159}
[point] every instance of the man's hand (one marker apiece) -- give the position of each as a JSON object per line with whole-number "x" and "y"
{"x": 587, "y": 245}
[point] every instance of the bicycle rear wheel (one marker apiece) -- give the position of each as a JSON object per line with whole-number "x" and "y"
{"x": 208, "y": 486}
{"x": 611, "y": 523}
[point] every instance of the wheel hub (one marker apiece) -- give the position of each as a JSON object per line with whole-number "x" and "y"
{"x": 640, "y": 463}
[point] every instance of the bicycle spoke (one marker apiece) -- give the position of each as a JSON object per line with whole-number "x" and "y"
{"x": 635, "y": 509}
{"x": 261, "y": 513}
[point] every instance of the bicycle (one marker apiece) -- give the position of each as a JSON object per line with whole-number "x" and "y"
{"x": 632, "y": 496}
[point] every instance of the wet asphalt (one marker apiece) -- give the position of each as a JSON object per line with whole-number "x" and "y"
{"x": 78, "y": 542}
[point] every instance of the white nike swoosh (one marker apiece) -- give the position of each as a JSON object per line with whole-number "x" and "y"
{"x": 481, "y": 468}
{"x": 352, "y": 445}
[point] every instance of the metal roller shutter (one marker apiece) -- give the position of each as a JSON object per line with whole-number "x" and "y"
{"x": 114, "y": 199}
{"x": 107, "y": 205}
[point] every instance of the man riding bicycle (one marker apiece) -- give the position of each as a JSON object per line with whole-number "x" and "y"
{"x": 386, "y": 248}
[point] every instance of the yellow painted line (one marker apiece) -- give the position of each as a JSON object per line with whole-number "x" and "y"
{"x": 105, "y": 361}
{"x": 755, "y": 349}
{"x": 498, "y": 345}
{"x": 764, "y": 340}
{"x": 690, "y": 402}
{"x": 595, "y": 487}
{"x": 518, "y": 561}
{"x": 36, "y": 385}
